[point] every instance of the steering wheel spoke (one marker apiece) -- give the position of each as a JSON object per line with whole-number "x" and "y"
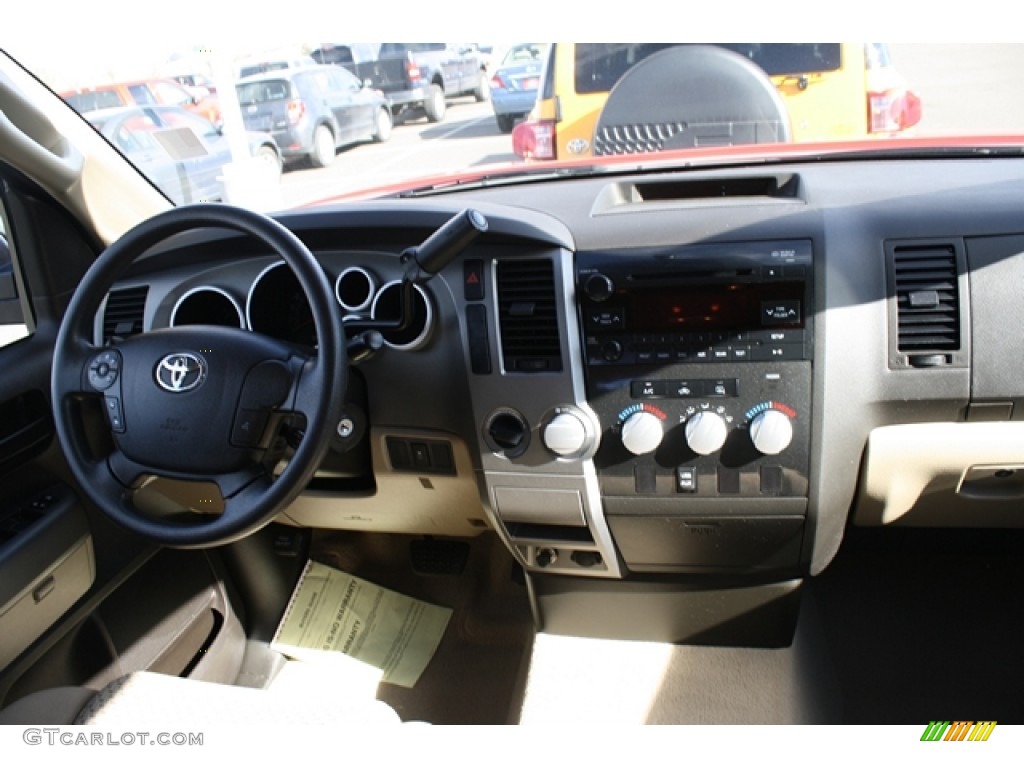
{"x": 308, "y": 390}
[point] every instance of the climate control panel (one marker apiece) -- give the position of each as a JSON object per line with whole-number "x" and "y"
{"x": 743, "y": 434}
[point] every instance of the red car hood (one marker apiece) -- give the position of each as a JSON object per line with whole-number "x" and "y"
{"x": 687, "y": 157}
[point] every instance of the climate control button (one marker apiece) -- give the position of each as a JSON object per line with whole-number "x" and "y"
{"x": 642, "y": 433}
{"x": 566, "y": 435}
{"x": 771, "y": 431}
{"x": 706, "y": 432}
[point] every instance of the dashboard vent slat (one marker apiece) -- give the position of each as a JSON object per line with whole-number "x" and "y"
{"x": 927, "y": 299}
{"x": 124, "y": 312}
{"x": 528, "y": 316}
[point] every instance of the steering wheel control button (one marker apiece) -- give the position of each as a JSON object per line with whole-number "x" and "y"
{"x": 249, "y": 426}
{"x": 180, "y": 372}
{"x": 115, "y": 414}
{"x": 103, "y": 370}
{"x": 266, "y": 386}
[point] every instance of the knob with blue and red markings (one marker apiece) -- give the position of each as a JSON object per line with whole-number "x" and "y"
{"x": 642, "y": 428}
{"x": 771, "y": 427}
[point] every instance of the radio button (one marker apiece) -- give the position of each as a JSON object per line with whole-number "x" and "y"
{"x": 782, "y": 311}
{"x": 611, "y": 351}
{"x": 781, "y": 336}
{"x": 777, "y": 352}
{"x": 606, "y": 319}
{"x": 598, "y": 287}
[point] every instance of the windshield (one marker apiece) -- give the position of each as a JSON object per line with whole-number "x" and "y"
{"x": 344, "y": 112}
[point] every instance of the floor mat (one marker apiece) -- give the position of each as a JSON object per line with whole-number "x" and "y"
{"x": 925, "y": 624}
{"x": 478, "y": 673}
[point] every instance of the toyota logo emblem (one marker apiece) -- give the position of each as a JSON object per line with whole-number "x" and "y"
{"x": 180, "y": 372}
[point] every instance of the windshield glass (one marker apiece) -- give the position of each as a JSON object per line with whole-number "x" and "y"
{"x": 334, "y": 109}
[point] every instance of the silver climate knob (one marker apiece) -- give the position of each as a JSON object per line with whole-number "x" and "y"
{"x": 642, "y": 433}
{"x": 706, "y": 432}
{"x": 771, "y": 432}
{"x": 566, "y": 435}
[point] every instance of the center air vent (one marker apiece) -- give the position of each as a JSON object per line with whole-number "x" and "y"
{"x": 924, "y": 280}
{"x": 124, "y": 313}
{"x": 528, "y": 316}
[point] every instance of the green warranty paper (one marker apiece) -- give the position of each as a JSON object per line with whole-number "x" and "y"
{"x": 333, "y": 611}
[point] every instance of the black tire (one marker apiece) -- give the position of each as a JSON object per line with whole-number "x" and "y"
{"x": 505, "y": 123}
{"x": 384, "y": 125}
{"x": 435, "y": 105}
{"x": 482, "y": 92}
{"x": 324, "y": 149}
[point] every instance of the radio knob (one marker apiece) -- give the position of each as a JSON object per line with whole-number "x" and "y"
{"x": 706, "y": 432}
{"x": 598, "y": 287}
{"x": 771, "y": 432}
{"x": 566, "y": 435}
{"x": 642, "y": 433}
{"x": 612, "y": 350}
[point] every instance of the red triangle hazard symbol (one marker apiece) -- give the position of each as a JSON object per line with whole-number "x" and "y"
{"x": 472, "y": 279}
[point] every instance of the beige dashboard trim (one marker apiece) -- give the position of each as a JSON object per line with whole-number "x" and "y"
{"x": 403, "y": 502}
{"x": 943, "y": 475}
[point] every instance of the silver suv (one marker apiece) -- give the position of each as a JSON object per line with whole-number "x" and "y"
{"x": 311, "y": 111}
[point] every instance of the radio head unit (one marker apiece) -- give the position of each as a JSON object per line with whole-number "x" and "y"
{"x": 702, "y": 303}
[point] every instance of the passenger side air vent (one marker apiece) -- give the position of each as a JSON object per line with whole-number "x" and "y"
{"x": 924, "y": 280}
{"x": 124, "y": 312}
{"x": 528, "y": 316}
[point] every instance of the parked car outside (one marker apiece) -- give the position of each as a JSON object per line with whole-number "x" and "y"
{"x": 143, "y": 93}
{"x": 182, "y": 153}
{"x": 198, "y": 85}
{"x": 830, "y": 91}
{"x": 514, "y": 83}
{"x": 417, "y": 78}
{"x": 312, "y": 111}
{"x": 263, "y": 64}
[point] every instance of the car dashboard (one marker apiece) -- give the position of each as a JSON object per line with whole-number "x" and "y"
{"x": 664, "y": 390}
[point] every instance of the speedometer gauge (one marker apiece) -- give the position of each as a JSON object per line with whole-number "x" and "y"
{"x": 277, "y": 307}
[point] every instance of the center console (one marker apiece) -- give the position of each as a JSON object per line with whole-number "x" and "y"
{"x": 648, "y": 410}
{"x": 698, "y": 367}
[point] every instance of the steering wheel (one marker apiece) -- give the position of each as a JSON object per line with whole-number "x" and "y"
{"x": 194, "y": 403}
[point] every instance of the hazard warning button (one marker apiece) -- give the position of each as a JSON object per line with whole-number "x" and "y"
{"x": 473, "y": 279}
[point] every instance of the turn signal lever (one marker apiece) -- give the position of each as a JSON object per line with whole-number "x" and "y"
{"x": 421, "y": 263}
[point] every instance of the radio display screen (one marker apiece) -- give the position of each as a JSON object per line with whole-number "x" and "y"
{"x": 719, "y": 307}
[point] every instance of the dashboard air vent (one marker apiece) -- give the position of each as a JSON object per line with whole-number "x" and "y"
{"x": 124, "y": 312}
{"x": 528, "y": 316}
{"x": 925, "y": 284}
